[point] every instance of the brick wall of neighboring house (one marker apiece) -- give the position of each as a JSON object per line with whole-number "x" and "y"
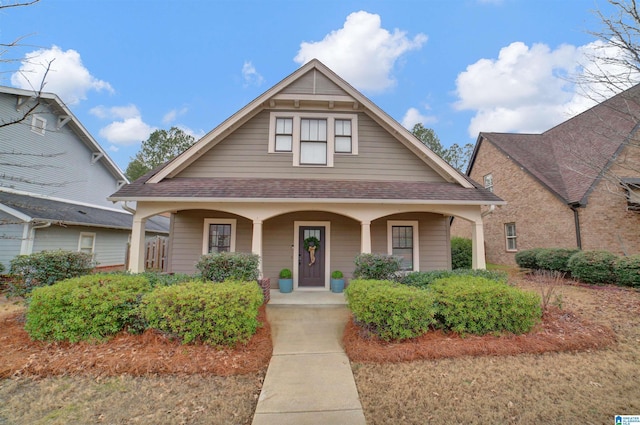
{"x": 541, "y": 218}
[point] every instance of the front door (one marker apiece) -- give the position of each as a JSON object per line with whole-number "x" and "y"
{"x": 311, "y": 256}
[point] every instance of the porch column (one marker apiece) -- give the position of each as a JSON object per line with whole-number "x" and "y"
{"x": 365, "y": 238}
{"x": 136, "y": 251}
{"x": 256, "y": 241}
{"x": 477, "y": 245}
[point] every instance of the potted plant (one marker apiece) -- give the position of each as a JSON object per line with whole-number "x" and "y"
{"x": 337, "y": 281}
{"x": 285, "y": 282}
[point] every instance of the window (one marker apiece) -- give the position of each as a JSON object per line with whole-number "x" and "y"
{"x": 38, "y": 125}
{"x": 510, "y": 234}
{"x": 488, "y": 182}
{"x": 313, "y": 138}
{"x": 87, "y": 242}
{"x": 219, "y": 235}
{"x": 402, "y": 241}
{"x": 284, "y": 134}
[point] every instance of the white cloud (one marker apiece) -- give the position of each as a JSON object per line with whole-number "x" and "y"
{"x": 196, "y": 134}
{"x": 173, "y": 114}
{"x": 128, "y": 129}
{"x": 67, "y": 76}
{"x": 362, "y": 52}
{"x": 413, "y": 116}
{"x": 250, "y": 76}
{"x": 529, "y": 89}
{"x": 113, "y": 148}
{"x": 118, "y": 112}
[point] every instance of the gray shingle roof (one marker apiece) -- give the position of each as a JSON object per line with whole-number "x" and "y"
{"x": 69, "y": 213}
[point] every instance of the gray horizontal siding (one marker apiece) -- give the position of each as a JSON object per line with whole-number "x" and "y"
{"x": 10, "y": 239}
{"x": 244, "y": 154}
{"x": 313, "y": 82}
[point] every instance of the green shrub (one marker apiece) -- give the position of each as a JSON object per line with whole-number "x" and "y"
{"x": 337, "y": 274}
{"x": 461, "y": 253}
{"x": 157, "y": 279}
{"x": 526, "y": 259}
{"x": 223, "y": 314}
{"x": 377, "y": 267}
{"x": 480, "y": 306}
{"x": 2, "y": 268}
{"x": 390, "y": 310}
{"x": 424, "y": 279}
{"x": 554, "y": 259}
{"x": 627, "y": 270}
{"x": 285, "y": 274}
{"x": 593, "y": 266}
{"x": 46, "y": 268}
{"x": 87, "y": 308}
{"x": 218, "y": 267}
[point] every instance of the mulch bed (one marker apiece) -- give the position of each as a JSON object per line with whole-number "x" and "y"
{"x": 151, "y": 353}
{"x": 560, "y": 330}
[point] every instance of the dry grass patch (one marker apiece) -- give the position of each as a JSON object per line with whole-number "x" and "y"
{"x": 553, "y": 388}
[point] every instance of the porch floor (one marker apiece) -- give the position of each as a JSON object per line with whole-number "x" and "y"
{"x": 307, "y": 298}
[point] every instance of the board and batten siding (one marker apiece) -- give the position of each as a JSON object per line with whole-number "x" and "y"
{"x": 433, "y": 237}
{"x": 110, "y": 244}
{"x": 314, "y": 82}
{"x": 245, "y": 154}
{"x": 11, "y": 234}
{"x": 55, "y": 164}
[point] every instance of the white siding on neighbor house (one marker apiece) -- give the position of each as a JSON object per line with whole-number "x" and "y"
{"x": 110, "y": 244}
{"x": 11, "y": 235}
{"x": 68, "y": 174}
{"x": 245, "y": 154}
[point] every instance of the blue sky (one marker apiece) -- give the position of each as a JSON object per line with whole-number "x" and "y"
{"x": 126, "y": 68}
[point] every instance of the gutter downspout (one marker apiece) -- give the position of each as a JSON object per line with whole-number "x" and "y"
{"x": 26, "y": 248}
{"x": 491, "y": 209}
{"x": 128, "y": 208}
{"x": 576, "y": 219}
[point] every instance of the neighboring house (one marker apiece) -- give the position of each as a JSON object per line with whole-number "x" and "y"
{"x": 573, "y": 186}
{"x": 54, "y": 183}
{"x": 309, "y": 158}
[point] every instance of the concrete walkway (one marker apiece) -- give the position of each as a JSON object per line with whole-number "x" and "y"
{"x": 309, "y": 380}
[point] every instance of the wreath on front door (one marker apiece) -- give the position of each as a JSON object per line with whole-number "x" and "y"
{"x": 312, "y": 244}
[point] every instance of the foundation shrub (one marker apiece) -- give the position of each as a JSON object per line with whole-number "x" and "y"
{"x": 390, "y": 310}
{"x": 218, "y": 267}
{"x": 595, "y": 267}
{"x": 526, "y": 259}
{"x": 222, "y": 314}
{"x": 377, "y": 267}
{"x": 46, "y": 268}
{"x": 86, "y": 308}
{"x": 461, "y": 253}
{"x": 424, "y": 279}
{"x": 475, "y": 305}
{"x": 554, "y": 259}
{"x": 627, "y": 270}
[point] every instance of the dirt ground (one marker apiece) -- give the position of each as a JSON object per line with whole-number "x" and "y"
{"x": 581, "y": 366}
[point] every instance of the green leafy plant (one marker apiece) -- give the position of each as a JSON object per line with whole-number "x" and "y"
{"x": 86, "y": 308}
{"x": 223, "y": 314}
{"x": 377, "y": 267}
{"x": 424, "y": 279}
{"x": 526, "y": 259}
{"x": 311, "y": 241}
{"x": 218, "y": 267}
{"x": 627, "y": 270}
{"x": 337, "y": 274}
{"x": 46, "y": 268}
{"x": 595, "y": 267}
{"x": 461, "y": 253}
{"x": 389, "y": 310}
{"x": 554, "y": 259}
{"x": 474, "y": 305}
{"x": 285, "y": 274}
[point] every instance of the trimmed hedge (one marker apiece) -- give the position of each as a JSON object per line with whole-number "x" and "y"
{"x": 554, "y": 259}
{"x": 220, "y": 314}
{"x": 424, "y": 279}
{"x": 526, "y": 259}
{"x": 461, "y": 253}
{"x": 480, "y": 306}
{"x": 593, "y": 266}
{"x": 627, "y": 270}
{"x": 46, "y": 268}
{"x": 390, "y": 310}
{"x": 87, "y": 308}
{"x": 377, "y": 267}
{"x": 222, "y": 266}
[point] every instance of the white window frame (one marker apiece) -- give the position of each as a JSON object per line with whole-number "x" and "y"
{"x": 330, "y": 117}
{"x": 205, "y": 232}
{"x": 38, "y": 125}
{"x": 488, "y": 182}
{"x": 416, "y": 240}
{"x": 507, "y": 238}
{"x": 93, "y": 241}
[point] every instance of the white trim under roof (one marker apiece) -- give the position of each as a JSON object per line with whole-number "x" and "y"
{"x": 66, "y": 201}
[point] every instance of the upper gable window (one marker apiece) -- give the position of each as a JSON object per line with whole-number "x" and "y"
{"x": 38, "y": 125}
{"x": 488, "y": 182}
{"x": 313, "y": 138}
